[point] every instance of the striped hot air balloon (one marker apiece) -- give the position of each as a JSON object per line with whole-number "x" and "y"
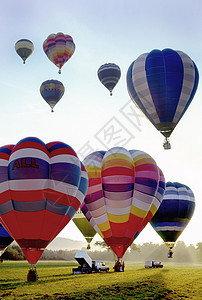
{"x": 41, "y": 188}
{"x": 52, "y": 91}
{"x": 109, "y": 75}
{"x": 82, "y": 219}
{"x": 24, "y": 48}
{"x": 59, "y": 48}
{"x": 162, "y": 84}
{"x": 123, "y": 190}
{"x": 174, "y": 213}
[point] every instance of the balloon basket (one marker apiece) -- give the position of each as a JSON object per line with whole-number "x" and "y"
{"x": 32, "y": 275}
{"x": 166, "y": 144}
{"x": 88, "y": 247}
{"x": 119, "y": 265}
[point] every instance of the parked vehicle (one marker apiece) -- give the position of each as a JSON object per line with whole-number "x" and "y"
{"x": 87, "y": 265}
{"x": 153, "y": 264}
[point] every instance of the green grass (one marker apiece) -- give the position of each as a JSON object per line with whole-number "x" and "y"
{"x": 173, "y": 281}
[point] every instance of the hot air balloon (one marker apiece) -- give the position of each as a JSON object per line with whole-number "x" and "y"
{"x": 24, "y": 49}
{"x": 174, "y": 213}
{"x": 5, "y": 239}
{"x": 109, "y": 75}
{"x": 162, "y": 84}
{"x": 59, "y": 48}
{"x": 52, "y": 91}
{"x": 41, "y": 188}
{"x": 82, "y": 220}
{"x": 122, "y": 190}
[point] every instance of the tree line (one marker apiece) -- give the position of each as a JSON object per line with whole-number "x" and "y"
{"x": 137, "y": 253}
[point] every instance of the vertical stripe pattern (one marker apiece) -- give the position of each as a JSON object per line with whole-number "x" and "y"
{"x": 162, "y": 84}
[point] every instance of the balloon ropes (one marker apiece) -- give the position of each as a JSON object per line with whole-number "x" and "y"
{"x": 42, "y": 187}
{"x": 174, "y": 213}
{"x": 59, "y": 48}
{"x": 163, "y": 84}
{"x": 123, "y": 191}
{"x": 52, "y": 91}
{"x": 24, "y": 49}
{"x": 109, "y": 75}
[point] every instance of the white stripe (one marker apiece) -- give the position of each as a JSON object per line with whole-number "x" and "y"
{"x": 102, "y": 219}
{"x": 118, "y": 211}
{"x": 189, "y": 69}
{"x": 29, "y": 152}
{"x": 141, "y": 205}
{"x": 169, "y": 228}
{"x": 4, "y": 186}
{"x": 146, "y": 100}
{"x": 40, "y": 184}
{"x": 3, "y": 162}
{"x": 65, "y": 158}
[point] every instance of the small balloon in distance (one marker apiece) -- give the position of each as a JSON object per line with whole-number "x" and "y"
{"x": 24, "y": 48}
{"x": 52, "y": 91}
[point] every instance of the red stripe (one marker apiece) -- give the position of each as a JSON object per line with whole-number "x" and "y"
{"x": 118, "y": 171}
{"x": 30, "y": 144}
{"x": 60, "y": 151}
{"x": 4, "y": 197}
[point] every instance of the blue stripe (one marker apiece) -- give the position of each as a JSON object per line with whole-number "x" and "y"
{"x": 3, "y": 232}
{"x": 58, "y": 146}
{"x": 57, "y": 208}
{"x": 32, "y": 139}
{"x": 3, "y": 173}
{"x": 71, "y": 212}
{"x": 66, "y": 172}
{"x": 5, "y": 150}
{"x": 164, "y": 71}
{"x": 169, "y": 224}
{"x": 28, "y": 172}
{"x": 83, "y": 185}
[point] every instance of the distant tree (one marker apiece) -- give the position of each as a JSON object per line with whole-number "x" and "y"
{"x": 13, "y": 252}
{"x": 102, "y": 245}
{"x": 199, "y": 251}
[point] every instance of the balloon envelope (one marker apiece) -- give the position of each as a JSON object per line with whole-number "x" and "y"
{"x": 122, "y": 190}
{"x": 162, "y": 84}
{"x": 82, "y": 222}
{"x": 109, "y": 75}
{"x": 59, "y": 48}
{"x": 5, "y": 239}
{"x": 24, "y": 48}
{"x": 52, "y": 91}
{"x": 174, "y": 212}
{"x": 38, "y": 192}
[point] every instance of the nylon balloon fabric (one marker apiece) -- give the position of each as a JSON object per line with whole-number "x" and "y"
{"x": 175, "y": 211}
{"x": 5, "y": 239}
{"x": 52, "y": 91}
{"x": 24, "y": 48}
{"x": 162, "y": 84}
{"x": 41, "y": 188}
{"x": 109, "y": 75}
{"x": 59, "y": 48}
{"x": 123, "y": 187}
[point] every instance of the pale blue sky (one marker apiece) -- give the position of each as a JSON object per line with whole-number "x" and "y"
{"x": 103, "y": 31}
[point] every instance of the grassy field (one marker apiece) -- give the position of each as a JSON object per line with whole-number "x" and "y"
{"x": 57, "y": 282}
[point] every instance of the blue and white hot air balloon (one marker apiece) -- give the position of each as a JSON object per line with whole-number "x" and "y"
{"x": 109, "y": 75}
{"x": 162, "y": 84}
{"x": 174, "y": 213}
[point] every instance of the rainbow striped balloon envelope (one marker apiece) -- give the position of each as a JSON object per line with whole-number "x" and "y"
{"x": 59, "y": 48}
{"x": 41, "y": 188}
{"x": 125, "y": 189}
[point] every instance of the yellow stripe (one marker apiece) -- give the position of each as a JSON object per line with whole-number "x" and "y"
{"x": 104, "y": 226}
{"x": 138, "y": 212}
{"x": 117, "y": 156}
{"x": 92, "y": 169}
{"x": 153, "y": 209}
{"x": 100, "y": 233}
{"x": 118, "y": 219}
{"x": 144, "y": 161}
{"x": 118, "y": 163}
